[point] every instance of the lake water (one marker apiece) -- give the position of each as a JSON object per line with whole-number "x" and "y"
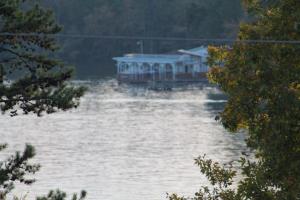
{"x": 125, "y": 142}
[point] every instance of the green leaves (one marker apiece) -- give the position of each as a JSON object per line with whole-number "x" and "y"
{"x": 262, "y": 101}
{"x": 216, "y": 174}
{"x": 262, "y": 82}
{"x": 220, "y": 177}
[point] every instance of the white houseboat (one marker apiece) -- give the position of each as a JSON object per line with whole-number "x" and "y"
{"x": 185, "y": 66}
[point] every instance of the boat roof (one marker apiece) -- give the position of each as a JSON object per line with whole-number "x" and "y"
{"x": 163, "y": 58}
{"x": 199, "y": 51}
{"x": 150, "y": 58}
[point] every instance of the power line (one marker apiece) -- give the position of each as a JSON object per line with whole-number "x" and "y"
{"x": 177, "y": 39}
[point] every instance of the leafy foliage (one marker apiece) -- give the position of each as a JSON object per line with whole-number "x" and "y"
{"x": 262, "y": 82}
{"x": 220, "y": 177}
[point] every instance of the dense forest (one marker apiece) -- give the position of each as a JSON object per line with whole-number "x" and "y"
{"x": 146, "y": 18}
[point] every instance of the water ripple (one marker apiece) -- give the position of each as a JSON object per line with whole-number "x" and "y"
{"x": 125, "y": 143}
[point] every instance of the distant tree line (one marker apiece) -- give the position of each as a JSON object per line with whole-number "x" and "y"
{"x": 147, "y": 18}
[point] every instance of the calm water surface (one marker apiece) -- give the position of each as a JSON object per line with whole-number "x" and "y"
{"x": 125, "y": 143}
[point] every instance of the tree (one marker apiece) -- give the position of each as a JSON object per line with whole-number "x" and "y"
{"x": 262, "y": 82}
{"x": 27, "y": 56}
{"x": 26, "y": 48}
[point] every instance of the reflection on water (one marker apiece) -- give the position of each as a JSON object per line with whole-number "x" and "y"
{"x": 125, "y": 143}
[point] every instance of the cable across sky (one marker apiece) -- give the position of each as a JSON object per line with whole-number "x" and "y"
{"x": 136, "y": 38}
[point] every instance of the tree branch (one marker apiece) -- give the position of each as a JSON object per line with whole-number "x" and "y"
{"x": 21, "y": 57}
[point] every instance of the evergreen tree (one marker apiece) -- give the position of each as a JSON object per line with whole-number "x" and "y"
{"x": 28, "y": 58}
{"x": 39, "y": 81}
